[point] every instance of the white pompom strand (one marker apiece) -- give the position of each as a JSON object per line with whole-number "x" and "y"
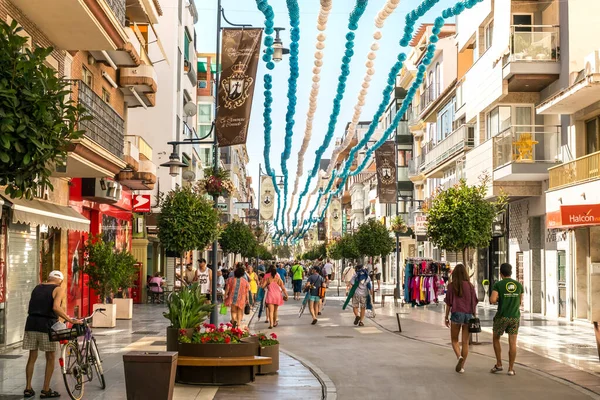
{"x": 320, "y": 45}
{"x": 395, "y": 2}
{"x": 321, "y": 27}
{"x": 379, "y": 24}
{"x": 377, "y": 35}
{"x": 318, "y": 63}
{"x": 321, "y": 37}
{"x": 366, "y": 85}
{"x": 369, "y": 64}
{"x": 364, "y": 92}
{"x": 361, "y": 103}
{"x": 316, "y": 86}
{"x": 316, "y": 78}
{"x": 316, "y": 70}
{"x": 371, "y": 71}
{"x": 372, "y": 56}
{"x": 389, "y": 8}
{"x": 318, "y": 55}
{"x": 375, "y": 46}
{"x": 368, "y": 78}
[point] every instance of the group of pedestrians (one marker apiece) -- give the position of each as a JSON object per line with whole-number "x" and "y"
{"x": 461, "y": 309}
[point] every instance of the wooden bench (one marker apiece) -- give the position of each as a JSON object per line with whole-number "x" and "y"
{"x": 219, "y": 370}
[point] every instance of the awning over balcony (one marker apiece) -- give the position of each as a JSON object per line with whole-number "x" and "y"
{"x": 578, "y": 96}
{"x": 43, "y": 213}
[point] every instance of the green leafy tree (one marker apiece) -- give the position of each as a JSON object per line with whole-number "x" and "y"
{"x": 125, "y": 271}
{"x": 101, "y": 267}
{"x": 460, "y": 217}
{"x": 38, "y": 120}
{"x": 238, "y": 238}
{"x": 334, "y": 251}
{"x": 373, "y": 239}
{"x": 283, "y": 251}
{"x": 187, "y": 220}
{"x": 348, "y": 247}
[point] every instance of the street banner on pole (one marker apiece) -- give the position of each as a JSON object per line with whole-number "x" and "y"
{"x": 239, "y": 62}
{"x": 267, "y": 198}
{"x": 335, "y": 218}
{"x": 385, "y": 161}
{"x": 321, "y": 231}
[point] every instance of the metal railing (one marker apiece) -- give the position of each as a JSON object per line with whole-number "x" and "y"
{"x": 534, "y": 43}
{"x": 144, "y": 148}
{"x": 106, "y": 127}
{"x": 459, "y": 140}
{"x": 413, "y": 115}
{"x": 414, "y": 166}
{"x": 581, "y": 170}
{"x": 429, "y": 95}
{"x": 527, "y": 144}
{"x": 118, "y": 7}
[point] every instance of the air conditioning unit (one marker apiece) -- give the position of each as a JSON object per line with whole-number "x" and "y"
{"x": 101, "y": 190}
{"x": 202, "y": 84}
{"x": 592, "y": 63}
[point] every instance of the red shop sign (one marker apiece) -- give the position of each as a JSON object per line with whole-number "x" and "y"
{"x": 141, "y": 203}
{"x": 580, "y": 215}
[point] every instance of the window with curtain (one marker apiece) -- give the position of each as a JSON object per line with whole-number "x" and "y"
{"x": 205, "y": 113}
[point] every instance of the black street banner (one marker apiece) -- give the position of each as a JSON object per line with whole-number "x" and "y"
{"x": 385, "y": 161}
{"x": 321, "y": 227}
{"x": 239, "y": 62}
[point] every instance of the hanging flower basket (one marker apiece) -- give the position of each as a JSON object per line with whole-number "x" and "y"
{"x": 216, "y": 183}
{"x": 398, "y": 226}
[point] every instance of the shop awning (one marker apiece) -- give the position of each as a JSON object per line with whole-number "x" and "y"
{"x": 203, "y": 67}
{"x": 573, "y": 216}
{"x": 43, "y": 213}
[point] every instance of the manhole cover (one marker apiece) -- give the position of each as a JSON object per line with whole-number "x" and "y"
{"x": 9, "y": 357}
{"x": 339, "y": 337}
{"x": 145, "y": 333}
{"x": 580, "y": 346}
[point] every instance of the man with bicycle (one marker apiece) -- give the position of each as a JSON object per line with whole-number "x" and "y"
{"x": 45, "y": 307}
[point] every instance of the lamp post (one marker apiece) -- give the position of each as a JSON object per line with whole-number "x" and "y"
{"x": 174, "y": 164}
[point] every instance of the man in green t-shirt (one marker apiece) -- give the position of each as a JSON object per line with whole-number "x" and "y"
{"x": 508, "y": 294}
{"x": 297, "y": 273}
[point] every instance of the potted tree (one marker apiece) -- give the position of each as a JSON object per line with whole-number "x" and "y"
{"x": 187, "y": 309}
{"x": 101, "y": 269}
{"x": 125, "y": 272}
{"x": 269, "y": 347}
{"x": 187, "y": 221}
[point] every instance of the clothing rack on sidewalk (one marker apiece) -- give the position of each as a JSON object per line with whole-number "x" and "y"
{"x": 423, "y": 281}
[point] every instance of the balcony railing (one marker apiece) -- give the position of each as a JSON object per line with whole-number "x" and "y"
{"x": 534, "y": 43}
{"x": 459, "y": 140}
{"x": 527, "y": 144}
{"x": 413, "y": 115}
{"x": 581, "y": 170}
{"x": 429, "y": 95}
{"x": 145, "y": 150}
{"x": 414, "y": 166}
{"x": 118, "y": 7}
{"x": 106, "y": 127}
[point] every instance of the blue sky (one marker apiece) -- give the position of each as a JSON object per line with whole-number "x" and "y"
{"x": 245, "y": 11}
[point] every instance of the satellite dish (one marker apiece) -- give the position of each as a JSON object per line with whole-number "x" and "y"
{"x": 188, "y": 176}
{"x": 190, "y": 109}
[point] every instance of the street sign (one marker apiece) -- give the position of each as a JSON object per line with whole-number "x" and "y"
{"x": 241, "y": 206}
{"x": 223, "y": 207}
{"x": 141, "y": 203}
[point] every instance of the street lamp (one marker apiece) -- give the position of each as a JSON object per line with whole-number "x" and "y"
{"x": 174, "y": 164}
{"x": 278, "y": 49}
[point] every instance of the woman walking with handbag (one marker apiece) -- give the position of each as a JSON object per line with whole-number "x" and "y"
{"x": 461, "y": 304}
{"x": 236, "y": 295}
{"x": 276, "y": 294}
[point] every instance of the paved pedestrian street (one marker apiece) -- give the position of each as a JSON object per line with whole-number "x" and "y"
{"x": 339, "y": 360}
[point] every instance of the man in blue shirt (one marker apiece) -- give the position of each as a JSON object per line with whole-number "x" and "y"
{"x": 282, "y": 273}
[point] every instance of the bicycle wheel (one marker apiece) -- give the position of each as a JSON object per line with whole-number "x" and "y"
{"x": 95, "y": 359}
{"x": 72, "y": 370}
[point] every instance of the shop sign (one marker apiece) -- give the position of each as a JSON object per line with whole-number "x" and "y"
{"x": 420, "y": 224}
{"x": 141, "y": 203}
{"x": 223, "y": 207}
{"x": 580, "y": 215}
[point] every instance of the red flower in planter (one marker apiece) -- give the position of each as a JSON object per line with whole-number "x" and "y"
{"x": 227, "y": 339}
{"x": 182, "y": 332}
{"x": 273, "y": 336}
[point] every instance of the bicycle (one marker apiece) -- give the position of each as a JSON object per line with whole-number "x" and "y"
{"x": 79, "y": 360}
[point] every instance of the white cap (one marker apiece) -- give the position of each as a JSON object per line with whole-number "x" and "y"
{"x": 57, "y": 275}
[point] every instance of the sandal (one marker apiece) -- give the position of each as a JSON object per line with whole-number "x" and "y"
{"x": 314, "y": 322}
{"x": 27, "y": 393}
{"x": 495, "y": 369}
{"x": 361, "y": 323}
{"x": 511, "y": 373}
{"x": 276, "y": 323}
{"x": 49, "y": 394}
{"x": 459, "y": 364}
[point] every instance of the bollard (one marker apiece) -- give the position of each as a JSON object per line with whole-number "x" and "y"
{"x": 399, "y": 324}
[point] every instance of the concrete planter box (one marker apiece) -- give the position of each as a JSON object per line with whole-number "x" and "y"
{"x": 106, "y": 320}
{"x": 273, "y": 352}
{"x": 124, "y": 308}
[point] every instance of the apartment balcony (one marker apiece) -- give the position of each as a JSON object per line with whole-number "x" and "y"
{"x": 140, "y": 173}
{"x": 79, "y": 24}
{"x": 414, "y": 170}
{"x": 534, "y": 58}
{"x": 582, "y": 170}
{"x": 415, "y": 123}
{"x": 525, "y": 152}
{"x": 139, "y": 85}
{"x": 445, "y": 152}
{"x": 143, "y": 11}
{"x": 429, "y": 95}
{"x": 98, "y": 153}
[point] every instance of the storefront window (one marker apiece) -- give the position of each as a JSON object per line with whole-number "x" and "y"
{"x": 49, "y": 251}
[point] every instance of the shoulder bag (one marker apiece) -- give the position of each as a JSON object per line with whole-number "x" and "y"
{"x": 474, "y": 323}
